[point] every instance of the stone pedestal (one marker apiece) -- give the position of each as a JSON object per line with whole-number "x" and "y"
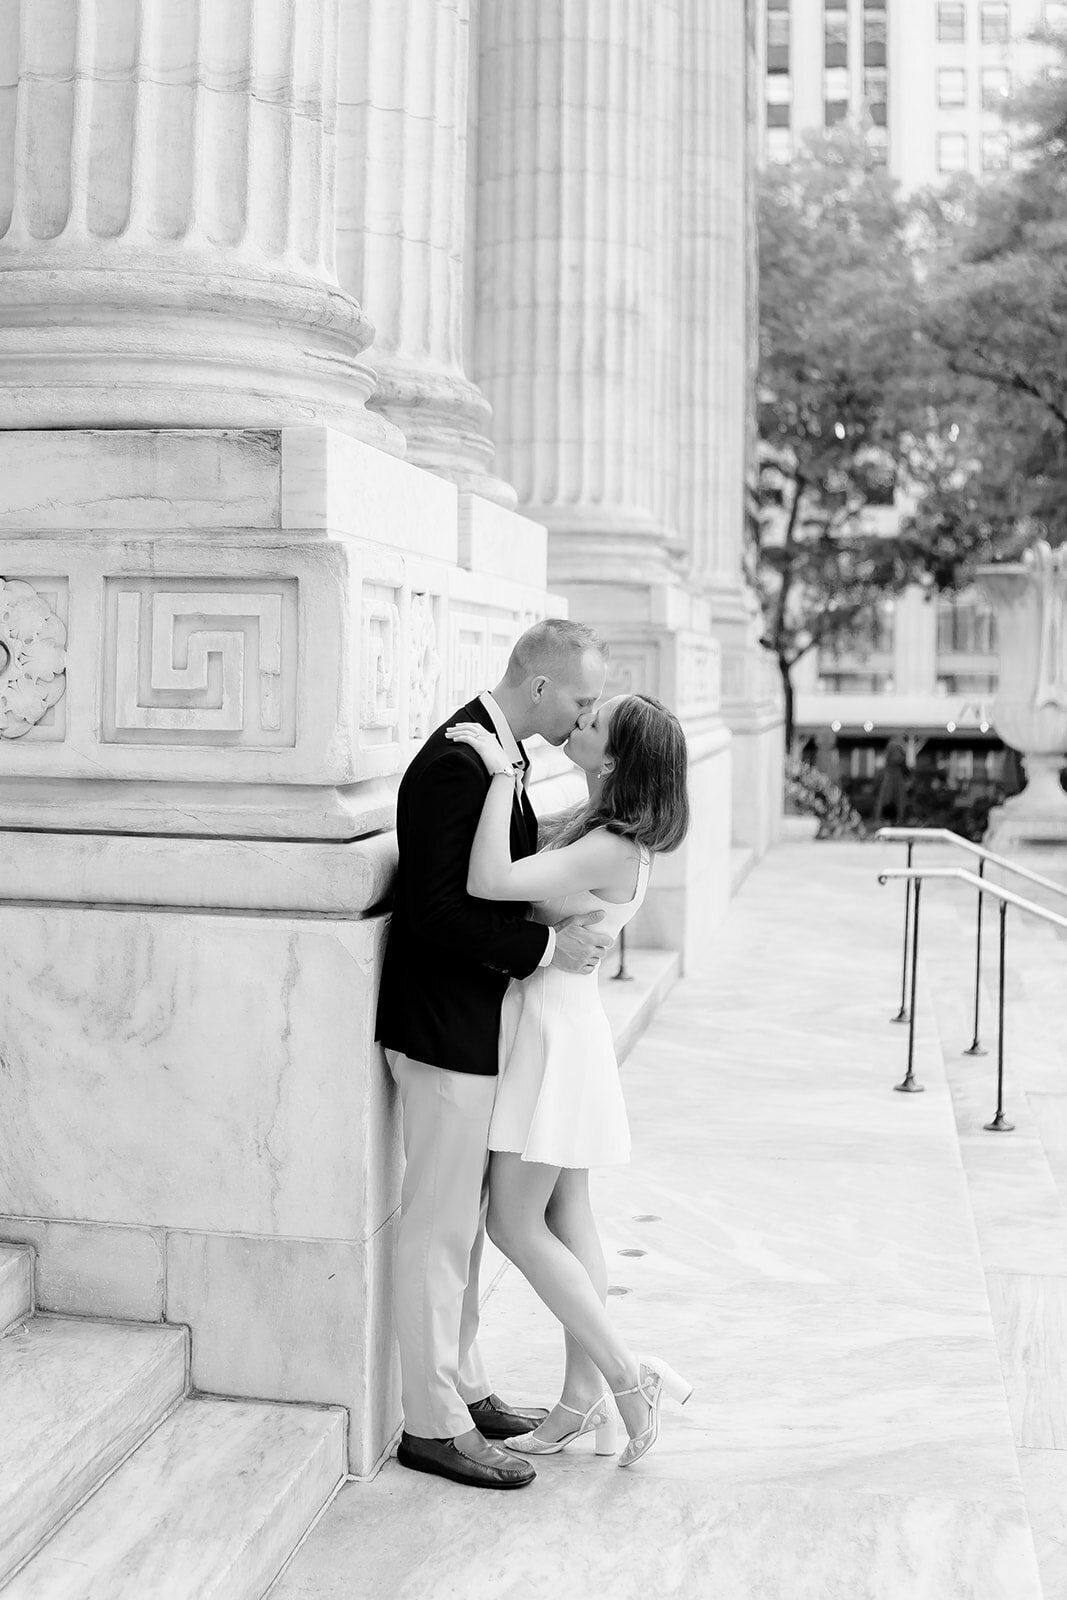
{"x": 212, "y": 697}
{"x": 1030, "y": 707}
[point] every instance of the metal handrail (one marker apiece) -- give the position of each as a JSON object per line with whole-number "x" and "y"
{"x": 913, "y": 836}
{"x": 946, "y": 836}
{"x": 1006, "y": 898}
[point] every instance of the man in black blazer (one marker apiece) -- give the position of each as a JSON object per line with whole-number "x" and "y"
{"x": 448, "y": 960}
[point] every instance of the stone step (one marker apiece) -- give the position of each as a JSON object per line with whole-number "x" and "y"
{"x": 1017, "y": 1184}
{"x": 16, "y": 1285}
{"x": 77, "y": 1397}
{"x": 210, "y": 1507}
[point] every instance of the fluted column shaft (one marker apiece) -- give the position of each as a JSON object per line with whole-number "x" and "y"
{"x": 713, "y": 234}
{"x": 166, "y": 218}
{"x": 575, "y": 338}
{"x": 401, "y": 222}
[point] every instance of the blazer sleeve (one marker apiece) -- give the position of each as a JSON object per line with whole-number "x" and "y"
{"x": 443, "y": 813}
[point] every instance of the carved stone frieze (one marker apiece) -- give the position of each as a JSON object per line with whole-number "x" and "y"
{"x": 32, "y": 658}
{"x": 197, "y": 662}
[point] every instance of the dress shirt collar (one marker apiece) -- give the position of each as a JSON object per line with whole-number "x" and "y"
{"x": 501, "y": 727}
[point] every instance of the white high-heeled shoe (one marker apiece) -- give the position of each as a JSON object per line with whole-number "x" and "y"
{"x": 600, "y": 1417}
{"x": 655, "y": 1379}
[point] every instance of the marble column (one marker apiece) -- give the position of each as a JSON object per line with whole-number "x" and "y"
{"x": 575, "y": 243}
{"x": 713, "y": 246}
{"x": 715, "y": 307}
{"x": 401, "y": 223}
{"x": 166, "y": 219}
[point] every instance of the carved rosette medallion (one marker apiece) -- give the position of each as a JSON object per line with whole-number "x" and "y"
{"x": 32, "y": 658}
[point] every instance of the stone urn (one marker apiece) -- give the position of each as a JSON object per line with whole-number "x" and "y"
{"x": 1030, "y": 708}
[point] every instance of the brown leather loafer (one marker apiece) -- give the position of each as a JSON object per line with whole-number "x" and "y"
{"x": 443, "y": 1458}
{"x": 495, "y": 1419}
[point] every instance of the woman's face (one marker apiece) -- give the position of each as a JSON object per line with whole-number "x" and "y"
{"x": 588, "y": 746}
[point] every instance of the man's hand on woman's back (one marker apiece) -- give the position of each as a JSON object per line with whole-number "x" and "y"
{"x": 579, "y": 943}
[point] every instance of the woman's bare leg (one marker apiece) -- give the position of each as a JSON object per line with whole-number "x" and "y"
{"x": 570, "y": 1218}
{"x": 520, "y": 1193}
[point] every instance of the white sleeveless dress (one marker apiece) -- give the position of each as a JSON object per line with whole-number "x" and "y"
{"x": 559, "y": 1099}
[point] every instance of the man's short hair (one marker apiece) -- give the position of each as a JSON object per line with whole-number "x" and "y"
{"x": 549, "y": 647}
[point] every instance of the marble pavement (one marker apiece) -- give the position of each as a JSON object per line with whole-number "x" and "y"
{"x": 799, "y": 1240}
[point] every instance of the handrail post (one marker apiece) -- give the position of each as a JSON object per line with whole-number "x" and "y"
{"x": 974, "y": 1048}
{"x": 910, "y": 1084}
{"x": 620, "y": 975}
{"x": 902, "y": 1014}
{"x": 1000, "y": 1124}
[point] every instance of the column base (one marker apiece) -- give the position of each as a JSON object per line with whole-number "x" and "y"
{"x": 445, "y": 422}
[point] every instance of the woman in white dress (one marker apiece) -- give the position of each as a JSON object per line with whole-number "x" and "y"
{"x": 559, "y": 1107}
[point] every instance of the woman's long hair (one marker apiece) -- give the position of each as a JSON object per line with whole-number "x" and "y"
{"x": 644, "y": 797}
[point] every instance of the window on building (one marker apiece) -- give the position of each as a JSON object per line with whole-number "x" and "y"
{"x": 779, "y": 145}
{"x": 778, "y": 41}
{"x": 855, "y": 683}
{"x": 878, "y": 144}
{"x": 834, "y": 111}
{"x": 779, "y": 116}
{"x": 952, "y": 152}
{"x": 996, "y": 25}
{"x": 996, "y": 86}
{"x": 835, "y": 34}
{"x": 951, "y": 87}
{"x": 980, "y": 683}
{"x": 951, "y": 21}
{"x": 874, "y": 39}
{"x": 995, "y": 152}
{"x": 966, "y": 625}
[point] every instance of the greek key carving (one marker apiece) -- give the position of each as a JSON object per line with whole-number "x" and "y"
{"x": 202, "y": 665}
{"x": 32, "y": 658}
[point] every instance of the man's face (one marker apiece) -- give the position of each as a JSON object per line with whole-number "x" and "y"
{"x": 567, "y": 701}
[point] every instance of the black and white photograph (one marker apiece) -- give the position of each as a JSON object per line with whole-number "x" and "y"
{"x": 533, "y": 799}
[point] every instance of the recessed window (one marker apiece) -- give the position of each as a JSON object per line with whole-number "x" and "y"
{"x": 874, "y": 39}
{"x": 951, "y": 87}
{"x": 778, "y": 41}
{"x": 834, "y": 111}
{"x": 951, "y": 20}
{"x": 996, "y": 152}
{"x": 952, "y": 152}
{"x": 996, "y": 86}
{"x": 779, "y": 145}
{"x": 835, "y": 51}
{"x": 878, "y": 142}
{"x": 777, "y": 5}
{"x": 779, "y": 116}
{"x": 996, "y": 25}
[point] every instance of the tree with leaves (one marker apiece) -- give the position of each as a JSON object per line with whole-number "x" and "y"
{"x": 993, "y": 310}
{"x": 839, "y": 396}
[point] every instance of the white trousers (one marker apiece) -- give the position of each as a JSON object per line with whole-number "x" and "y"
{"x": 439, "y": 1245}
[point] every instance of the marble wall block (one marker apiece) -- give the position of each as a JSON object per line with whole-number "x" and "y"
{"x": 293, "y": 1319}
{"x": 193, "y": 1071}
{"x": 263, "y": 682}
{"x": 90, "y": 1269}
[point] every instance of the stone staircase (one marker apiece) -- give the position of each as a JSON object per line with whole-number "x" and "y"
{"x": 1017, "y": 1181}
{"x": 116, "y": 1482}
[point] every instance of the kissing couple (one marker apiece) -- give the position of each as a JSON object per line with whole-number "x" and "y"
{"x": 491, "y": 1021}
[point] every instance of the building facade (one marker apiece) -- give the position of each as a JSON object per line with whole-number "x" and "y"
{"x": 339, "y": 341}
{"x": 927, "y": 78}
